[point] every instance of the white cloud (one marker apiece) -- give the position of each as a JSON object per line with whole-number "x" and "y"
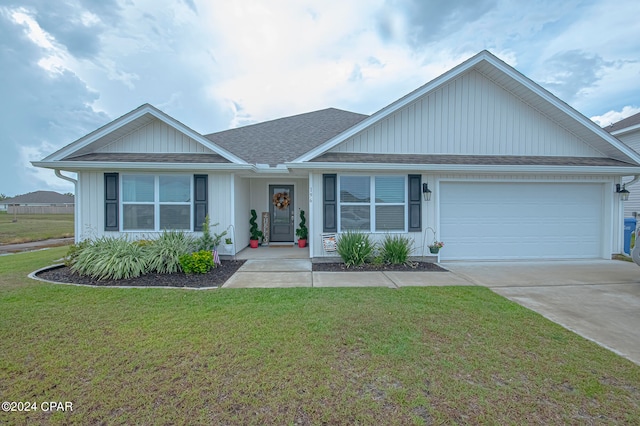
{"x": 611, "y": 117}
{"x": 213, "y": 64}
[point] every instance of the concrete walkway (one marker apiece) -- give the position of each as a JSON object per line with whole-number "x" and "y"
{"x": 597, "y": 299}
{"x": 277, "y": 273}
{"x": 34, "y": 245}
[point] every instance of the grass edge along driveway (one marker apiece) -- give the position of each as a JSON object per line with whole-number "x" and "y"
{"x": 296, "y": 356}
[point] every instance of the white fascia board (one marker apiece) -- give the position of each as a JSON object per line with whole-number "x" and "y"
{"x": 395, "y": 106}
{"x": 97, "y": 134}
{"x": 471, "y": 168}
{"x": 626, "y": 130}
{"x": 450, "y": 75}
{"x": 564, "y": 107}
{"x": 195, "y": 135}
{"x": 95, "y": 165}
{"x": 132, "y": 116}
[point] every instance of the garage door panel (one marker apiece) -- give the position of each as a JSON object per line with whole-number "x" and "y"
{"x": 520, "y": 220}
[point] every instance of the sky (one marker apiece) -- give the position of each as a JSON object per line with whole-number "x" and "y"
{"x": 68, "y": 67}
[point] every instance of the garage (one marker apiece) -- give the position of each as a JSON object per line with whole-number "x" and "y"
{"x": 509, "y": 220}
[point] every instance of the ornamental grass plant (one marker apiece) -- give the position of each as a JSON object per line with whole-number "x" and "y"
{"x": 163, "y": 254}
{"x": 111, "y": 258}
{"x": 395, "y": 249}
{"x": 355, "y": 248}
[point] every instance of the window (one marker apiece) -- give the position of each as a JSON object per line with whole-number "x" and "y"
{"x": 385, "y": 211}
{"x": 156, "y": 203}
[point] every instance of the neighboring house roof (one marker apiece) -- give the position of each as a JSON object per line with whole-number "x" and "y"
{"x": 280, "y": 141}
{"x": 511, "y": 81}
{"x": 624, "y": 125}
{"x": 40, "y": 197}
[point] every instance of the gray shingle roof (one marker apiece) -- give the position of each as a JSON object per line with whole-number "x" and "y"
{"x": 126, "y": 157}
{"x": 282, "y": 140}
{"x": 40, "y": 197}
{"x": 490, "y": 160}
{"x": 625, "y": 122}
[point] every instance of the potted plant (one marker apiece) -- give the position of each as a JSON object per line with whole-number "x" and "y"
{"x": 302, "y": 232}
{"x": 256, "y": 234}
{"x": 435, "y": 247}
{"x": 228, "y": 245}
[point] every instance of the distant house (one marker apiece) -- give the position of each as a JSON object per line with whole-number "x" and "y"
{"x": 628, "y": 131}
{"x": 40, "y": 202}
{"x": 481, "y": 158}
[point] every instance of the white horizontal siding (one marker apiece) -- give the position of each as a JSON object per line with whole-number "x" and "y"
{"x": 155, "y": 137}
{"x": 469, "y": 116}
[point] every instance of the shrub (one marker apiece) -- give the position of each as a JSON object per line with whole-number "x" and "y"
{"x": 199, "y": 262}
{"x": 256, "y": 234}
{"x": 163, "y": 254}
{"x": 355, "y": 248}
{"x": 74, "y": 251}
{"x": 111, "y": 258}
{"x": 396, "y": 249}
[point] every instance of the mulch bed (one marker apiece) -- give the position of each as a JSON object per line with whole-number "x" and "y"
{"x": 214, "y": 278}
{"x": 370, "y": 267}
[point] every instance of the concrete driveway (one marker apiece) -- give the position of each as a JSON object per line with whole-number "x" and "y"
{"x": 599, "y": 300}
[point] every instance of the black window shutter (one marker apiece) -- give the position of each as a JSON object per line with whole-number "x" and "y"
{"x": 415, "y": 203}
{"x": 200, "y": 191}
{"x": 329, "y": 203}
{"x": 111, "y": 199}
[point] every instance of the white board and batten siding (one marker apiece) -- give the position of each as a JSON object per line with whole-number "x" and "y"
{"x": 468, "y": 116}
{"x": 90, "y": 196}
{"x": 155, "y": 137}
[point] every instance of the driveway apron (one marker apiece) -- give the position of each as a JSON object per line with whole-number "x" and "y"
{"x": 597, "y": 299}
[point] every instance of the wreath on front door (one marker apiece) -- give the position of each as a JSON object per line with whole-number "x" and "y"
{"x": 281, "y": 200}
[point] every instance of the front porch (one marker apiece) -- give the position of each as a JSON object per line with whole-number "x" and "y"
{"x": 274, "y": 251}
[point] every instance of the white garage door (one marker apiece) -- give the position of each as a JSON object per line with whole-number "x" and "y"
{"x": 480, "y": 220}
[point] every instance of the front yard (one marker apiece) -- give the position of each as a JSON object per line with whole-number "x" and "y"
{"x": 34, "y": 227}
{"x": 296, "y": 356}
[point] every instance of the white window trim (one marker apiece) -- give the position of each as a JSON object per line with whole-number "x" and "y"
{"x": 156, "y": 202}
{"x": 372, "y": 203}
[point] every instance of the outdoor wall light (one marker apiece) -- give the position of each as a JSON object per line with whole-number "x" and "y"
{"x": 426, "y": 192}
{"x": 624, "y": 194}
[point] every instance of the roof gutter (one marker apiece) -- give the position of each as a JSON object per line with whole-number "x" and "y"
{"x": 67, "y": 178}
{"x": 76, "y": 206}
{"x": 636, "y": 178}
{"x": 470, "y": 168}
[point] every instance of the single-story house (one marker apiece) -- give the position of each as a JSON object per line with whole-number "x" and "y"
{"x": 628, "y": 131}
{"x": 481, "y": 158}
{"x": 40, "y": 202}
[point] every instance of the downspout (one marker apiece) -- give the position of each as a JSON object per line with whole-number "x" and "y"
{"x": 636, "y": 178}
{"x": 76, "y": 205}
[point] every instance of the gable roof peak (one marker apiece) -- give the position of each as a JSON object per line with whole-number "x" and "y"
{"x": 511, "y": 80}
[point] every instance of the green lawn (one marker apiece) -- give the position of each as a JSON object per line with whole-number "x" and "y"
{"x": 297, "y": 356}
{"x": 34, "y": 227}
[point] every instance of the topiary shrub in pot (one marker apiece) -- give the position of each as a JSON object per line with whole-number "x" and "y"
{"x": 256, "y": 234}
{"x": 302, "y": 232}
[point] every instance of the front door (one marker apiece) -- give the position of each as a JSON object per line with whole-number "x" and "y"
{"x": 282, "y": 217}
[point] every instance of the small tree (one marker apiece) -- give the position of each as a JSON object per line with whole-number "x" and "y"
{"x": 256, "y": 234}
{"x": 302, "y": 232}
{"x": 205, "y": 242}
